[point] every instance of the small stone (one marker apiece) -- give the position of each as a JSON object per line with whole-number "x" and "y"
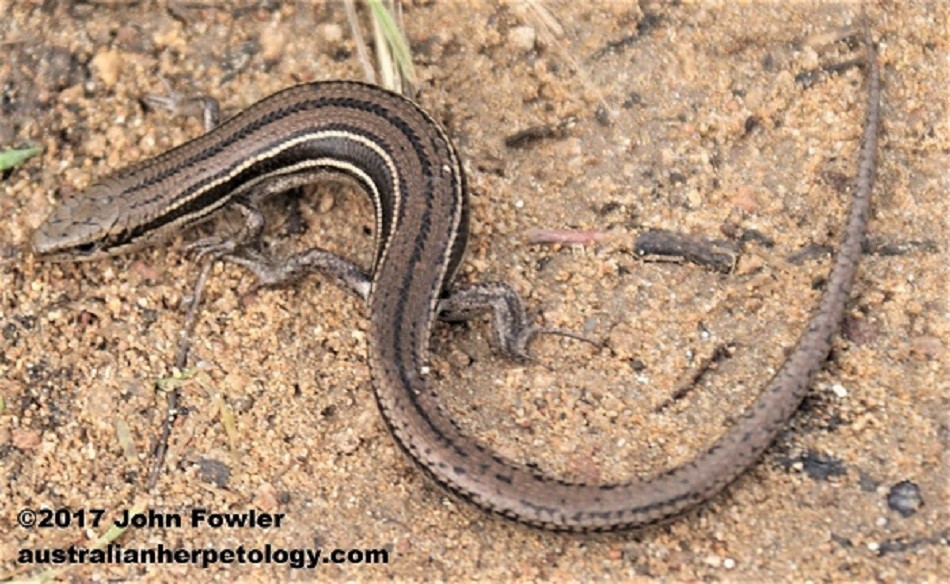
{"x": 266, "y": 498}
{"x": 839, "y": 390}
{"x": 928, "y": 347}
{"x": 749, "y": 264}
{"x": 108, "y": 65}
{"x": 746, "y": 200}
{"x": 403, "y": 546}
{"x": 859, "y": 330}
{"x": 822, "y": 468}
{"x": 332, "y": 33}
{"x": 25, "y": 439}
{"x": 459, "y": 359}
{"x": 168, "y": 35}
{"x": 214, "y": 471}
{"x": 522, "y": 37}
{"x": 326, "y": 202}
{"x": 694, "y": 199}
{"x": 904, "y": 497}
{"x": 346, "y": 442}
{"x": 273, "y": 42}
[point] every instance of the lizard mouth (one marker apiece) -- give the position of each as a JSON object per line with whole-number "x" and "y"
{"x": 78, "y": 253}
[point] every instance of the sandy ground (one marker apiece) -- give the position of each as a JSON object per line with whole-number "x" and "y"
{"x": 721, "y": 121}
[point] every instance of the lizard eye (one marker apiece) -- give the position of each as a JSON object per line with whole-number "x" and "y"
{"x": 86, "y": 248}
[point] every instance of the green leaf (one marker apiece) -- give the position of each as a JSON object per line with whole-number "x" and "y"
{"x": 11, "y": 158}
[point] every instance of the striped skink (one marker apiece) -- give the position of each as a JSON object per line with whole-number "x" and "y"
{"x": 403, "y": 160}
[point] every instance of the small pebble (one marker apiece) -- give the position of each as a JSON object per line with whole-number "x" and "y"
{"x": 904, "y": 497}
{"x": 522, "y": 37}
{"x": 459, "y": 360}
{"x": 108, "y": 66}
{"x": 273, "y": 42}
{"x": 25, "y": 439}
{"x": 214, "y": 472}
{"x": 332, "y": 33}
{"x": 266, "y": 498}
{"x": 326, "y": 202}
{"x": 346, "y": 442}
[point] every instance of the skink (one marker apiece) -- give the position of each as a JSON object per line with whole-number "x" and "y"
{"x": 410, "y": 170}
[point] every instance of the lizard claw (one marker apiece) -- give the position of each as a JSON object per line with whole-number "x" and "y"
{"x": 211, "y": 248}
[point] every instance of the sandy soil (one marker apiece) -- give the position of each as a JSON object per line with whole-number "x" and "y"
{"x": 721, "y": 121}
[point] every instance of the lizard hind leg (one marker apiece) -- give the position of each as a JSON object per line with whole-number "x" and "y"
{"x": 511, "y": 327}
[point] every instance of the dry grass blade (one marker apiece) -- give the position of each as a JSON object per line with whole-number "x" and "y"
{"x": 388, "y": 71}
{"x": 362, "y": 50}
{"x": 542, "y": 17}
{"x": 392, "y": 48}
